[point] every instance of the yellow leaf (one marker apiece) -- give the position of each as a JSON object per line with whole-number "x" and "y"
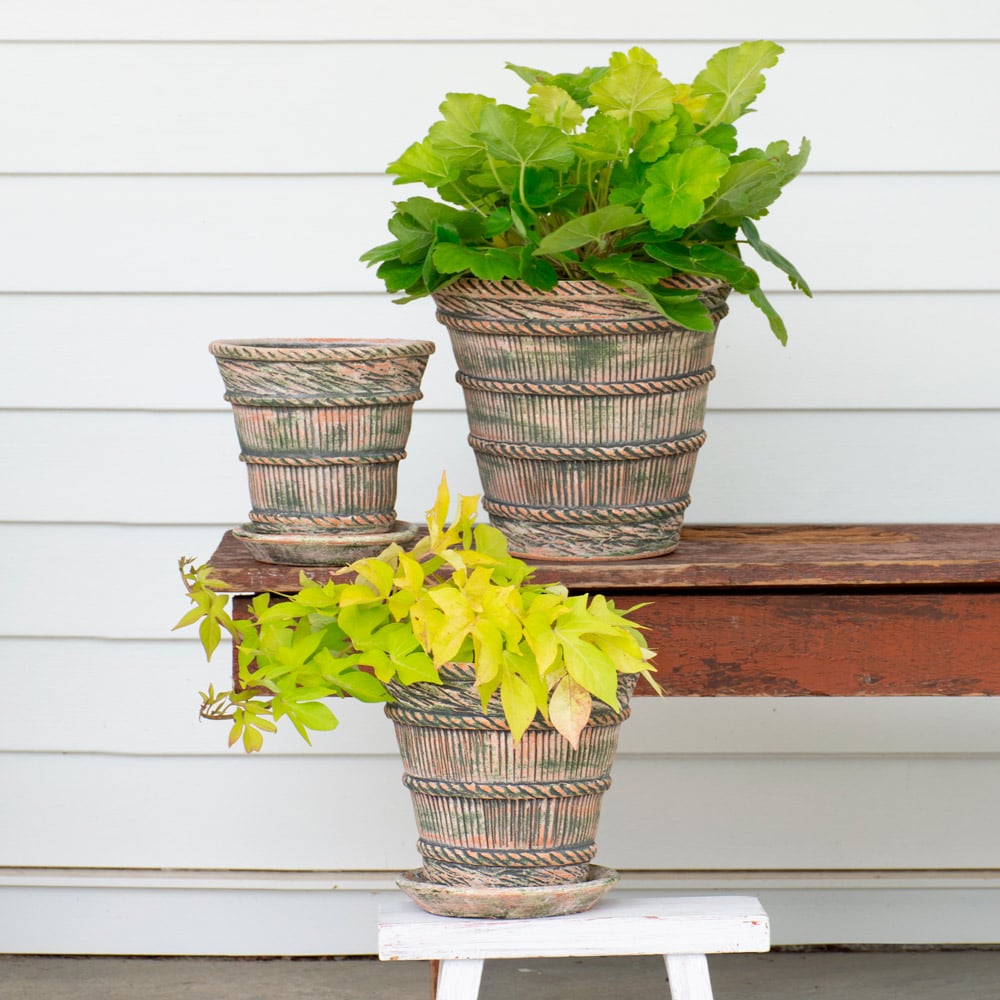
{"x": 518, "y": 702}
{"x": 569, "y": 709}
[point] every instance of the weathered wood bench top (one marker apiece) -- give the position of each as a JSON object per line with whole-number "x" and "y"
{"x": 788, "y": 610}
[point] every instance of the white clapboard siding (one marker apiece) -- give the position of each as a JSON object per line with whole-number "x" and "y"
{"x": 389, "y": 20}
{"x": 758, "y": 466}
{"x": 846, "y": 351}
{"x": 184, "y": 170}
{"x": 316, "y": 812}
{"x": 265, "y": 234}
{"x": 266, "y": 108}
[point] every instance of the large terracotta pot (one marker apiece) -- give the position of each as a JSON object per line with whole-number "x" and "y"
{"x": 322, "y": 427}
{"x": 586, "y": 410}
{"x": 504, "y": 829}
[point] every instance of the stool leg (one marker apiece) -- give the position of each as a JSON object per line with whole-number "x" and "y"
{"x": 459, "y": 979}
{"x": 688, "y": 975}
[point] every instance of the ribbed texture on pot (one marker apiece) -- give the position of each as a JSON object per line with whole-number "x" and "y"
{"x": 581, "y": 366}
{"x": 490, "y": 812}
{"x": 322, "y": 426}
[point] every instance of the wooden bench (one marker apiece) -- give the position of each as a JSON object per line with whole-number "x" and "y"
{"x": 788, "y": 610}
{"x": 683, "y": 930}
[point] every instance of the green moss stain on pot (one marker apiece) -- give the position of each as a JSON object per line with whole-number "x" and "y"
{"x": 586, "y": 412}
{"x": 322, "y": 427}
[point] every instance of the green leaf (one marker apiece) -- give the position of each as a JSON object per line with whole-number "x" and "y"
{"x": 760, "y": 300}
{"x": 656, "y": 141}
{"x": 536, "y": 271}
{"x": 746, "y": 191}
{"x": 733, "y": 78}
{"x": 606, "y": 139}
{"x": 680, "y": 184}
{"x": 634, "y": 90}
{"x": 490, "y": 264}
{"x": 509, "y": 135}
{"x": 629, "y": 270}
{"x": 768, "y": 253}
{"x": 590, "y": 228}
{"x": 708, "y": 261}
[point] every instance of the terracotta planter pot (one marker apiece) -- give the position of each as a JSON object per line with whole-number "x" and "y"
{"x": 586, "y": 411}
{"x": 322, "y": 426}
{"x": 494, "y": 817}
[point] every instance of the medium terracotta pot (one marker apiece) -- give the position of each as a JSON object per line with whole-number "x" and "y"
{"x": 586, "y": 411}
{"x": 322, "y": 426}
{"x": 493, "y": 816}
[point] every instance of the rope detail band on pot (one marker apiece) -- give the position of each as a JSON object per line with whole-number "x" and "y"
{"x": 330, "y": 351}
{"x": 322, "y": 402}
{"x": 645, "y": 387}
{"x": 575, "y": 855}
{"x": 282, "y": 521}
{"x": 589, "y": 515}
{"x": 369, "y": 458}
{"x": 507, "y": 790}
{"x": 588, "y": 453}
{"x": 489, "y": 723}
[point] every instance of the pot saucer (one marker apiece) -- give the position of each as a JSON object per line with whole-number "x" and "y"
{"x": 508, "y": 902}
{"x": 314, "y": 549}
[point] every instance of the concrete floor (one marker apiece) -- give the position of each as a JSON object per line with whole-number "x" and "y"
{"x": 824, "y": 975}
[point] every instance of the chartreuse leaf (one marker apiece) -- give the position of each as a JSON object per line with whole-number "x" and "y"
{"x": 680, "y": 184}
{"x": 519, "y": 706}
{"x": 590, "y": 228}
{"x": 634, "y": 89}
{"x": 577, "y": 85}
{"x": 551, "y": 105}
{"x": 656, "y": 141}
{"x": 453, "y": 138}
{"x": 733, "y": 78}
{"x": 421, "y": 163}
{"x": 768, "y": 253}
{"x": 570, "y": 705}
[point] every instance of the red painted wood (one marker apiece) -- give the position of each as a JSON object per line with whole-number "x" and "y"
{"x": 787, "y": 610}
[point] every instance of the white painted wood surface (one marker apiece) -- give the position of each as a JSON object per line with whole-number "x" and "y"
{"x": 615, "y": 925}
{"x": 179, "y": 171}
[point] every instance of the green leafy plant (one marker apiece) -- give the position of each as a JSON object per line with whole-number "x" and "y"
{"x": 614, "y": 174}
{"x": 455, "y": 595}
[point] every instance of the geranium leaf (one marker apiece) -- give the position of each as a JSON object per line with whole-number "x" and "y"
{"x": 733, "y": 78}
{"x": 453, "y": 138}
{"x": 746, "y": 191}
{"x": 489, "y": 263}
{"x": 768, "y": 253}
{"x": 590, "y": 228}
{"x": 422, "y": 163}
{"x": 680, "y": 184}
{"x": 634, "y": 89}
{"x": 508, "y": 134}
{"x": 577, "y": 85}
{"x": 551, "y": 105}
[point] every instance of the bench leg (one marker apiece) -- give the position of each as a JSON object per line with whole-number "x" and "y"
{"x": 688, "y": 975}
{"x": 458, "y": 979}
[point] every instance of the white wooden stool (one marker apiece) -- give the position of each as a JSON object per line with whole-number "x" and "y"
{"x": 683, "y": 930}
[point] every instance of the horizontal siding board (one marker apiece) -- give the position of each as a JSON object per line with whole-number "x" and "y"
{"x": 846, "y": 351}
{"x": 516, "y": 19}
{"x": 304, "y": 234}
{"x": 149, "y": 694}
{"x": 757, "y": 467}
{"x": 286, "y": 108}
{"x": 201, "y": 812}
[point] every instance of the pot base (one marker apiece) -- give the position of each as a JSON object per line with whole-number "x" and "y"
{"x": 508, "y": 902}
{"x": 314, "y": 549}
